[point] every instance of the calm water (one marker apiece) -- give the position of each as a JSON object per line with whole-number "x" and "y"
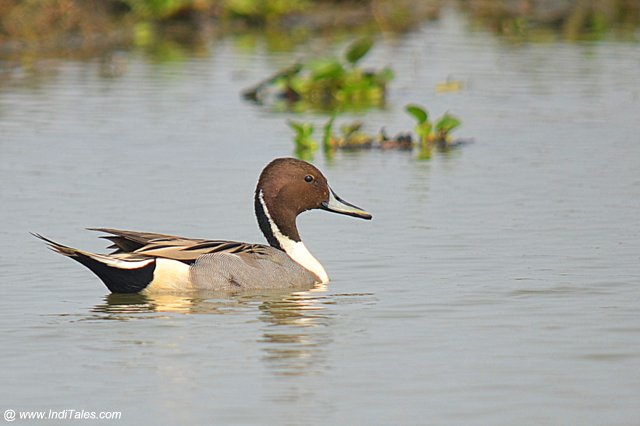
{"x": 498, "y": 284}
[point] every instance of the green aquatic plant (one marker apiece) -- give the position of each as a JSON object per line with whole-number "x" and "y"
{"x": 423, "y": 130}
{"x": 444, "y": 126}
{"x": 423, "y": 126}
{"x": 327, "y": 83}
{"x": 333, "y": 82}
{"x": 352, "y": 137}
{"x": 428, "y": 134}
{"x": 305, "y": 144}
{"x": 358, "y": 50}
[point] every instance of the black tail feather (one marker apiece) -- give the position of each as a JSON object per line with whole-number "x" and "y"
{"x": 117, "y": 280}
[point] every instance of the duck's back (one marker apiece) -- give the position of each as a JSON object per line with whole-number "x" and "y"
{"x": 264, "y": 268}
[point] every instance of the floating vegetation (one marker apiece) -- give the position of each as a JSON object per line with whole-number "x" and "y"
{"x": 326, "y": 84}
{"x": 91, "y": 28}
{"x": 430, "y": 135}
{"x": 349, "y": 138}
{"x": 352, "y": 137}
{"x": 539, "y": 20}
{"x": 305, "y": 144}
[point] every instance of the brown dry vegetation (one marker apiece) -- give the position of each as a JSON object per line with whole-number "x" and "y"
{"x": 85, "y": 24}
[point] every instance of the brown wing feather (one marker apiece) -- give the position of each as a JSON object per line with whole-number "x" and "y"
{"x": 129, "y": 241}
{"x": 170, "y": 246}
{"x": 190, "y": 250}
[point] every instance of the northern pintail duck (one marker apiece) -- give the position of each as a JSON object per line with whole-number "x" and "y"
{"x": 149, "y": 262}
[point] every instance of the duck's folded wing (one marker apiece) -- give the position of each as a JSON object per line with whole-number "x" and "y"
{"x": 172, "y": 247}
{"x": 190, "y": 250}
{"x": 130, "y": 241}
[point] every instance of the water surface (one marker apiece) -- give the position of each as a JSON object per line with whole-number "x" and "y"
{"x": 496, "y": 284}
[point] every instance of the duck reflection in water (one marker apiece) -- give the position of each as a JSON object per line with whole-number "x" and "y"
{"x": 294, "y": 333}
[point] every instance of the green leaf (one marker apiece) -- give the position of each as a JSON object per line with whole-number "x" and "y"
{"x": 303, "y": 130}
{"x": 447, "y": 123}
{"x": 296, "y": 126}
{"x": 322, "y": 69}
{"x": 307, "y": 129}
{"x": 419, "y": 113}
{"x": 358, "y": 49}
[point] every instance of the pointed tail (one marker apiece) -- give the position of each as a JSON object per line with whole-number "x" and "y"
{"x": 57, "y": 247}
{"x": 119, "y": 275}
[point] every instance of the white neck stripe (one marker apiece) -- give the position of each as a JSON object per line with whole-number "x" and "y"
{"x": 295, "y": 249}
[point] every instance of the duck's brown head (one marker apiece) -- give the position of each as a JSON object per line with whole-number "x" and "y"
{"x": 288, "y": 187}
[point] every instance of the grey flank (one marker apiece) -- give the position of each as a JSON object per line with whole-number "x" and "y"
{"x": 268, "y": 268}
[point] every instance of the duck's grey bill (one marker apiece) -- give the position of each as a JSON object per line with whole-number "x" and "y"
{"x": 338, "y": 205}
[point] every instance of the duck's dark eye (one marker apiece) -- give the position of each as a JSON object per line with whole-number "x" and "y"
{"x": 308, "y": 178}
